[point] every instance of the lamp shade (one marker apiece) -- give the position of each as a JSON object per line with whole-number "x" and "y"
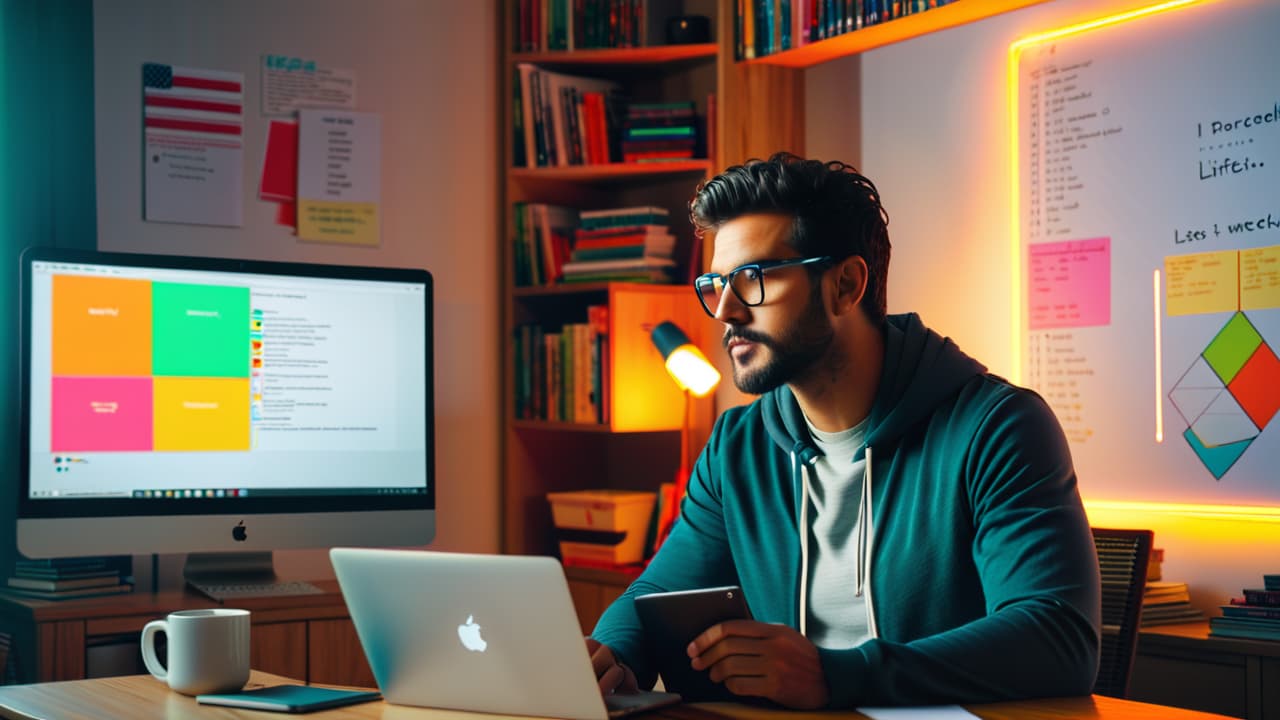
{"x": 685, "y": 362}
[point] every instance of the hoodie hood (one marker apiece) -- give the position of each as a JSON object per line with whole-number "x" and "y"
{"x": 921, "y": 370}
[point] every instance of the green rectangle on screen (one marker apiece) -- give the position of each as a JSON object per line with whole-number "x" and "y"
{"x": 199, "y": 330}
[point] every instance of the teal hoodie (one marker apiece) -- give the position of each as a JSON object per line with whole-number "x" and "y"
{"x": 979, "y": 568}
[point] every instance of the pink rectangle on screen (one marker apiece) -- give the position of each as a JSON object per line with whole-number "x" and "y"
{"x": 1069, "y": 284}
{"x": 101, "y": 414}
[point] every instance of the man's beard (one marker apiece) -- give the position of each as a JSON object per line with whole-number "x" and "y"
{"x": 790, "y": 355}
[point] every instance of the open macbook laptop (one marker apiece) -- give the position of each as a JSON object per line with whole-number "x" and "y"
{"x": 486, "y": 633}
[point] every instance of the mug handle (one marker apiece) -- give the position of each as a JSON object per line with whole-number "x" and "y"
{"x": 149, "y": 648}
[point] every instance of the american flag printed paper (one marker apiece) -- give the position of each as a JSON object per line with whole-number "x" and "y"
{"x": 193, "y": 149}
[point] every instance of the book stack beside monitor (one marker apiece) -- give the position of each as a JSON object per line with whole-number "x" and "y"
{"x": 63, "y": 578}
{"x": 1255, "y": 616}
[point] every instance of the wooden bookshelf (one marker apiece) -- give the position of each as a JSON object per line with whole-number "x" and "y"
{"x": 897, "y": 30}
{"x": 638, "y": 447}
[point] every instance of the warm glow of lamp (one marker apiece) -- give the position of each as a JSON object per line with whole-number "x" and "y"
{"x": 685, "y": 362}
{"x": 697, "y": 378}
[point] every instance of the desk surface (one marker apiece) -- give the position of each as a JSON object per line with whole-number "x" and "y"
{"x": 140, "y": 696}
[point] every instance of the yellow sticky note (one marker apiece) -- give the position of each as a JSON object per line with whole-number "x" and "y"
{"x": 348, "y": 223}
{"x": 1260, "y": 278}
{"x": 1202, "y": 283}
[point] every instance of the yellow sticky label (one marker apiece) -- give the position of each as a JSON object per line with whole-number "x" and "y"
{"x": 347, "y": 223}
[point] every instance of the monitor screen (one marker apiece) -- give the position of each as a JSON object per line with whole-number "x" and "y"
{"x": 176, "y": 404}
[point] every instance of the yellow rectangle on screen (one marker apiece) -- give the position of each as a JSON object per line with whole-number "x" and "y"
{"x": 204, "y": 414}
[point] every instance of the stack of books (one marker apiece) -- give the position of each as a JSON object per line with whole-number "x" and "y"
{"x": 543, "y": 236}
{"x": 561, "y": 120}
{"x": 62, "y": 578}
{"x": 1165, "y": 603}
{"x": 658, "y": 132}
{"x": 1255, "y": 616}
{"x": 562, "y": 374}
{"x": 623, "y": 244}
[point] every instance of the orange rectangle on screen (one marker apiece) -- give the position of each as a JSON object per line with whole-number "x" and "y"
{"x": 101, "y": 326}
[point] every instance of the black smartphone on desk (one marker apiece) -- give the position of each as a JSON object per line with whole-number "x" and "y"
{"x": 672, "y": 620}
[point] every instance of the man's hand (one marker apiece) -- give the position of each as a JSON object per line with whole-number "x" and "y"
{"x": 612, "y": 676}
{"x": 758, "y": 659}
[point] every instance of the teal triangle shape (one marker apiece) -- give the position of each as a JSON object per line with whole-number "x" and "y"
{"x": 1218, "y": 460}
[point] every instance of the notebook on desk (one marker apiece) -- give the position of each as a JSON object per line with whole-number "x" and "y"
{"x": 485, "y": 633}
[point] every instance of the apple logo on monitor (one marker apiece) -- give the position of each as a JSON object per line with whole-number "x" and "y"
{"x": 469, "y": 634}
{"x": 240, "y": 533}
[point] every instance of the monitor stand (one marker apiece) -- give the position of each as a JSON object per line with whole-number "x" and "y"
{"x": 232, "y": 576}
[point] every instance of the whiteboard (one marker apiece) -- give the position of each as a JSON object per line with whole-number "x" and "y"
{"x": 1148, "y": 156}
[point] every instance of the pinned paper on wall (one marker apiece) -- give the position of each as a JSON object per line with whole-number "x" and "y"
{"x": 279, "y": 180}
{"x": 291, "y": 83}
{"x": 1223, "y": 281}
{"x": 1070, "y": 283}
{"x": 193, "y": 147}
{"x": 339, "y": 176}
{"x": 1202, "y": 283}
{"x": 1260, "y": 278}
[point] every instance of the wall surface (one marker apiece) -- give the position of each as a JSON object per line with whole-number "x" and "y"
{"x": 929, "y": 126}
{"x": 429, "y": 68}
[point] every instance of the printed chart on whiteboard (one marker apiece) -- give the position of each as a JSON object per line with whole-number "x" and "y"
{"x": 1148, "y": 159}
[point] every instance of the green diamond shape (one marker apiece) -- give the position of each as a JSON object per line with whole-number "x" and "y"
{"x": 1232, "y": 347}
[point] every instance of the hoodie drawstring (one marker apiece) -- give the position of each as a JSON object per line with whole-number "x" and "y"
{"x": 866, "y": 543}
{"x": 804, "y": 539}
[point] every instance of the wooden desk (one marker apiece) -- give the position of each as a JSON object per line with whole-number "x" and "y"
{"x": 1182, "y": 665}
{"x": 301, "y": 636}
{"x": 142, "y": 696}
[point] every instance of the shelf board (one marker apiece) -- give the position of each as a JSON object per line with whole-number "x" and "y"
{"x": 528, "y": 291}
{"x": 611, "y": 171}
{"x": 656, "y": 55}
{"x": 903, "y": 28}
{"x": 554, "y": 290}
{"x": 554, "y": 425}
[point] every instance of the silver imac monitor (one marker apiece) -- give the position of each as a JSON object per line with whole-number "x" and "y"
{"x": 200, "y": 405}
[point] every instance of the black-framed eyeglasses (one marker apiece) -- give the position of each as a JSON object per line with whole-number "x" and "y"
{"x": 746, "y": 281}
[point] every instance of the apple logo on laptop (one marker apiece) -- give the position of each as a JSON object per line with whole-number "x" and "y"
{"x": 240, "y": 533}
{"x": 469, "y": 634}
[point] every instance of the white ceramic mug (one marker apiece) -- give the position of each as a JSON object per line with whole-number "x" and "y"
{"x": 208, "y": 650}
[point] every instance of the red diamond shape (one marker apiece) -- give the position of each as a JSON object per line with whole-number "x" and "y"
{"x": 1256, "y": 386}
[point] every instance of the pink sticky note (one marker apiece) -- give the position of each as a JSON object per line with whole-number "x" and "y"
{"x": 1070, "y": 284}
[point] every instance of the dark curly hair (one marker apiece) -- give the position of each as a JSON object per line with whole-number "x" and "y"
{"x": 836, "y": 212}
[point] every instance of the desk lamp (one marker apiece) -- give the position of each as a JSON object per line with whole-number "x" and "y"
{"x": 697, "y": 378}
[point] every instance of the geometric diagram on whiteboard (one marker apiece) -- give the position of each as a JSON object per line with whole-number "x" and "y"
{"x": 1228, "y": 395}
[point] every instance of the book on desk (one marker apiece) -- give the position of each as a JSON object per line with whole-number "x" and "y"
{"x": 62, "y": 578}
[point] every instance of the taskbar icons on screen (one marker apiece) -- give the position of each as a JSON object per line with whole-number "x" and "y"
{"x": 193, "y": 493}
{"x": 206, "y": 493}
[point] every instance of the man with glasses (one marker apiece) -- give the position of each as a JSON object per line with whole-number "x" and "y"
{"x": 905, "y": 526}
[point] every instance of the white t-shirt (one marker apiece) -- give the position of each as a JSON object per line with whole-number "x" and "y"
{"x": 837, "y": 616}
